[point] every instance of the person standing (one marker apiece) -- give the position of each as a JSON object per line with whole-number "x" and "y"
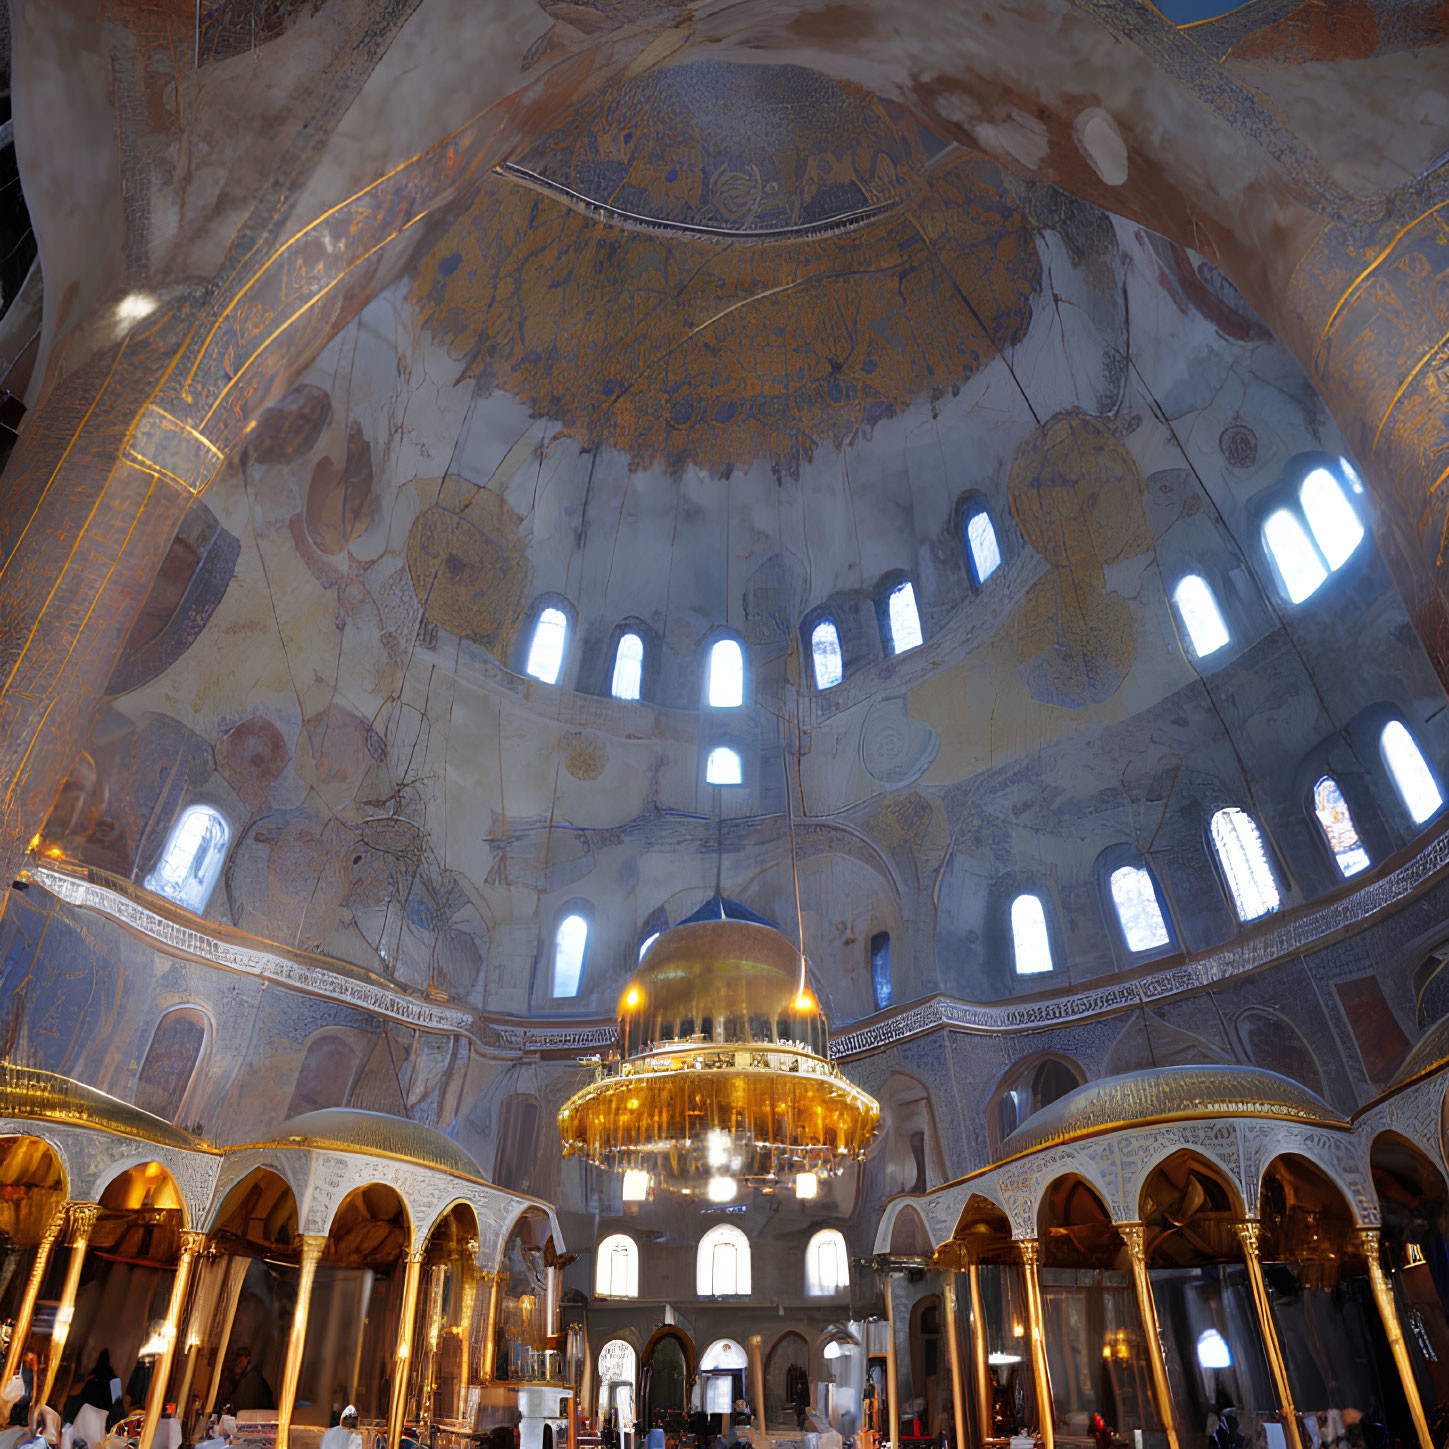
{"x": 344, "y": 1434}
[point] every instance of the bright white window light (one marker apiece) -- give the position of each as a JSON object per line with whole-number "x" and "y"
{"x": 1410, "y": 771}
{"x": 905, "y": 621}
{"x": 726, "y": 674}
{"x": 807, "y": 1186}
{"x": 136, "y": 305}
{"x": 1207, "y": 631}
{"x": 546, "y": 649}
{"x": 722, "y": 1268}
{"x": 723, "y": 1356}
{"x": 1350, "y": 475}
{"x": 1335, "y": 526}
{"x": 646, "y": 943}
{"x": 1030, "y": 942}
{"x": 1001, "y": 1360}
{"x": 569, "y": 942}
{"x": 1338, "y": 828}
{"x": 616, "y": 1267}
{"x": 723, "y": 768}
{"x": 827, "y": 1265}
{"x": 1244, "y": 863}
{"x": 1294, "y": 556}
{"x": 636, "y": 1185}
{"x": 628, "y": 667}
{"x": 825, "y": 654}
{"x": 722, "y": 1189}
{"x": 1213, "y": 1351}
{"x": 1138, "y": 910}
{"x": 716, "y": 1147}
{"x": 191, "y": 858}
{"x": 981, "y": 543}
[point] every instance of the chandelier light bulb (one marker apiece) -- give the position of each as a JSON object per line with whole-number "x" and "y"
{"x": 806, "y": 1185}
{"x": 721, "y": 1189}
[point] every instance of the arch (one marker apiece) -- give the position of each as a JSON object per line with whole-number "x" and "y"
{"x": 724, "y": 767}
{"x": 1270, "y": 1040}
{"x": 787, "y": 1379}
{"x": 370, "y": 1225}
{"x": 1199, "y": 616}
{"x": 139, "y": 1181}
{"x": 1317, "y": 1180}
{"x": 457, "y": 1210}
{"x": 1335, "y": 824}
{"x": 723, "y": 1354}
{"x": 1031, "y": 945}
{"x": 725, "y": 675}
{"x": 827, "y": 659}
{"x": 548, "y": 639}
{"x": 570, "y": 951}
{"x": 658, "y": 1353}
{"x": 827, "y": 1264}
{"x": 190, "y": 862}
{"x": 1141, "y": 913}
{"x": 1024, "y": 1088}
{"x": 909, "y": 1234}
{"x": 329, "y": 1066}
{"x": 1416, "y": 784}
{"x": 1243, "y": 860}
{"x": 899, "y": 615}
{"x": 33, "y": 1164}
{"x": 1411, "y": 1187}
{"x": 616, "y": 1267}
{"x": 264, "y": 1199}
{"x": 984, "y": 1225}
{"x": 180, "y": 1042}
{"x": 626, "y": 680}
{"x": 1178, "y": 1188}
{"x": 722, "y": 1263}
{"x": 980, "y": 538}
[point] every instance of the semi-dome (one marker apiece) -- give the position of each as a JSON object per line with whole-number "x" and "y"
{"x": 349, "y": 1129}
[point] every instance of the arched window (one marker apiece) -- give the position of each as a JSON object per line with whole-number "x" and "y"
{"x": 616, "y": 1267}
{"x": 982, "y": 547}
{"x": 726, "y": 674}
{"x": 1411, "y": 774}
{"x": 880, "y": 968}
{"x": 723, "y": 767}
{"x": 1031, "y": 945}
{"x": 1300, "y": 569}
{"x": 723, "y": 1267}
{"x": 902, "y": 618}
{"x": 325, "y": 1077}
{"x": 1244, "y": 863}
{"x": 1335, "y": 525}
{"x": 1338, "y": 828}
{"x": 546, "y": 648}
{"x": 724, "y": 1355}
{"x": 1139, "y": 912}
{"x": 628, "y": 677}
{"x": 191, "y": 858}
{"x": 569, "y": 943}
{"x": 170, "y": 1062}
{"x": 825, "y": 654}
{"x": 1213, "y": 1351}
{"x": 1202, "y": 620}
{"x": 827, "y": 1267}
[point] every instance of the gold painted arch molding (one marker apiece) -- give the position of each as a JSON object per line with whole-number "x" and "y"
{"x": 1169, "y": 1094}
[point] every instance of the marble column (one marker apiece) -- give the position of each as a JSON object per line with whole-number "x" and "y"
{"x": 192, "y": 1243}
{"x": 1368, "y": 1239}
{"x": 756, "y": 1347}
{"x": 1036, "y": 1329}
{"x": 313, "y": 1246}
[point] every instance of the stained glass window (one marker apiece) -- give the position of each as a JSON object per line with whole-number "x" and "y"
{"x": 905, "y": 622}
{"x": 1411, "y": 774}
{"x": 628, "y": 667}
{"x": 1338, "y": 828}
{"x": 1244, "y": 863}
{"x": 825, "y": 654}
{"x": 982, "y": 545}
{"x": 546, "y": 648}
{"x": 1331, "y": 518}
{"x": 1294, "y": 556}
{"x": 1138, "y": 910}
{"x": 568, "y": 955}
{"x": 726, "y": 674}
{"x": 1030, "y": 941}
{"x": 1207, "y": 632}
{"x": 191, "y": 858}
{"x": 723, "y": 768}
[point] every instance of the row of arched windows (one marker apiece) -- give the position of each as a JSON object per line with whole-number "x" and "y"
{"x": 1238, "y": 847}
{"x": 722, "y": 1265}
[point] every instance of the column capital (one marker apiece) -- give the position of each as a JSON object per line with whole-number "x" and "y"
{"x": 1248, "y": 1231}
{"x": 54, "y": 1225}
{"x": 1368, "y": 1240}
{"x": 1134, "y": 1237}
{"x": 193, "y": 1241}
{"x": 415, "y": 1255}
{"x": 313, "y": 1246}
{"x": 1030, "y": 1250}
{"x": 80, "y": 1219}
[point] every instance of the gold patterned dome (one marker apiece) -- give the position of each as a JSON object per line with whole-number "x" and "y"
{"x": 722, "y": 1075}
{"x": 31, "y": 1094}
{"x": 348, "y": 1129}
{"x": 1169, "y": 1094}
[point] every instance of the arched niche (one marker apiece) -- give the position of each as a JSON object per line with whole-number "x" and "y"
{"x": 447, "y": 1316}
{"x": 787, "y": 1383}
{"x": 1025, "y": 1088}
{"x": 1096, "y": 1347}
{"x": 527, "y": 1296}
{"x": 32, "y": 1191}
{"x": 618, "y": 1369}
{"x": 669, "y": 1356}
{"x": 179, "y": 1049}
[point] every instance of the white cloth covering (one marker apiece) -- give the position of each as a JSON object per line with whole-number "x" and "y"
{"x": 339, "y": 1438}
{"x": 89, "y": 1426}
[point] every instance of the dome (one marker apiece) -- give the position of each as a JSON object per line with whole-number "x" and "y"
{"x": 345, "y": 1129}
{"x": 1169, "y": 1094}
{"x": 719, "y": 981}
{"x": 29, "y": 1093}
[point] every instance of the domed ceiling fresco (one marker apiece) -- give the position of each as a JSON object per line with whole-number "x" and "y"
{"x": 709, "y": 342}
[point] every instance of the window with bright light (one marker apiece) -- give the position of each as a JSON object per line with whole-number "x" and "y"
{"x": 982, "y": 546}
{"x": 1139, "y": 912}
{"x": 1299, "y": 567}
{"x": 719, "y": 1393}
{"x": 1410, "y": 772}
{"x": 880, "y": 968}
{"x": 1338, "y": 828}
{"x": 628, "y": 677}
{"x": 569, "y": 942}
{"x": 724, "y": 1355}
{"x": 827, "y": 1267}
{"x": 1202, "y": 620}
{"x": 1031, "y": 945}
{"x": 1244, "y": 863}
{"x": 825, "y": 654}
{"x": 192, "y": 857}
{"x": 902, "y": 618}
{"x": 723, "y": 1266}
{"x": 1213, "y": 1351}
{"x": 726, "y": 674}
{"x": 546, "y": 649}
{"x": 646, "y": 943}
{"x": 616, "y": 1267}
{"x": 1331, "y": 517}
{"x": 723, "y": 768}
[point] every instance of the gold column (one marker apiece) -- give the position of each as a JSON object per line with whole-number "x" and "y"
{"x": 397, "y": 1406}
{"x": 1368, "y": 1239}
{"x": 21, "y": 1331}
{"x": 437, "y": 1281}
{"x": 467, "y": 1309}
{"x": 756, "y": 1346}
{"x": 191, "y": 1243}
{"x": 494, "y": 1281}
{"x": 1134, "y": 1235}
{"x": 893, "y": 1392}
{"x": 1248, "y": 1237}
{"x": 313, "y": 1246}
{"x": 1030, "y": 1262}
{"x": 953, "y": 1342}
{"x": 984, "y": 1398}
{"x": 236, "y": 1272}
{"x": 81, "y": 1219}
{"x": 203, "y": 1305}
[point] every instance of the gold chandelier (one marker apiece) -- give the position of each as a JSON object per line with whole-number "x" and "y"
{"x": 722, "y": 1078}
